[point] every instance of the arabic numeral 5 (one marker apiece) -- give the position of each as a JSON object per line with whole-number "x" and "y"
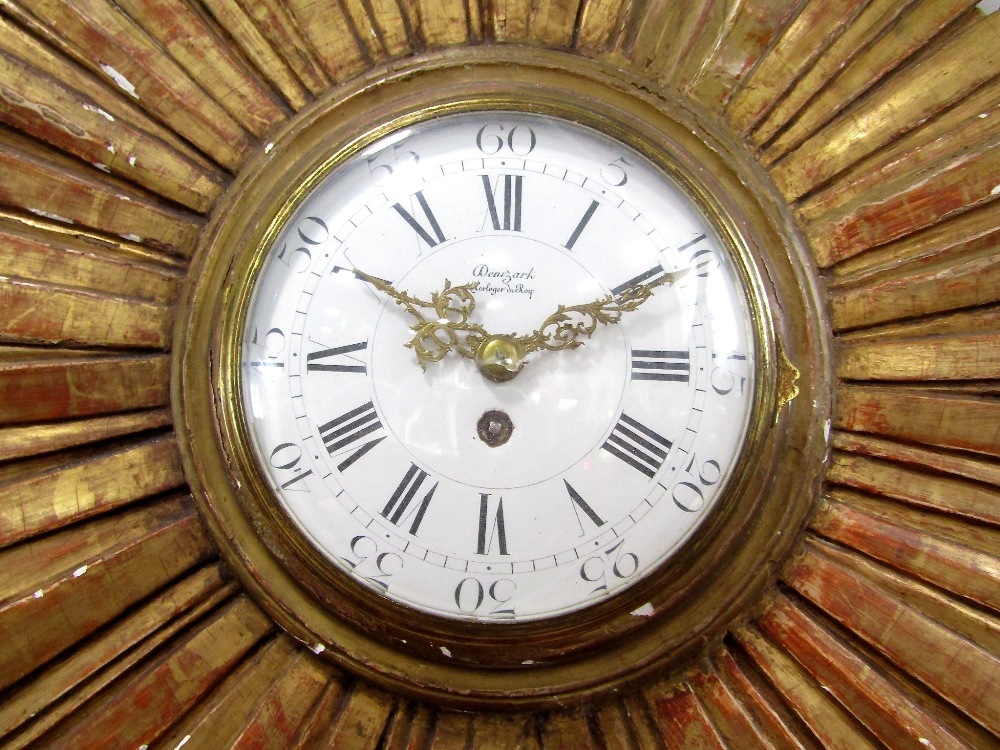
{"x": 471, "y": 595}
{"x": 689, "y": 496}
{"x": 614, "y": 174}
{"x": 285, "y": 458}
{"x": 728, "y": 376}
{"x": 295, "y": 253}
{"x": 614, "y": 560}
{"x": 370, "y": 563}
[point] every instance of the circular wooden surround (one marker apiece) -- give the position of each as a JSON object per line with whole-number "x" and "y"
{"x": 690, "y": 601}
{"x": 872, "y": 130}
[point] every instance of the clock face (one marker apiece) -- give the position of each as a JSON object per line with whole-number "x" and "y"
{"x": 581, "y": 465}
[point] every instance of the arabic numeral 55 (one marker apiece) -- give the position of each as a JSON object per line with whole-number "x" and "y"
{"x": 370, "y": 563}
{"x": 382, "y": 165}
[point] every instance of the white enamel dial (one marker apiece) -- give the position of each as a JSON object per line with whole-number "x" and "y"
{"x": 447, "y": 491}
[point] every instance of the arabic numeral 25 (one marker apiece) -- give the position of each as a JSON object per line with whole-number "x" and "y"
{"x": 370, "y": 563}
{"x": 493, "y": 600}
{"x": 614, "y": 560}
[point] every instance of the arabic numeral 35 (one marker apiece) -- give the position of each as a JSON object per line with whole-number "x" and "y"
{"x": 370, "y": 563}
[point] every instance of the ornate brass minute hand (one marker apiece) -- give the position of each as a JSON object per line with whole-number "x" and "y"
{"x": 569, "y": 325}
{"x": 450, "y": 329}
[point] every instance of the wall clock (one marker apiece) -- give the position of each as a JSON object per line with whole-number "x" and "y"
{"x": 497, "y": 378}
{"x": 846, "y": 152}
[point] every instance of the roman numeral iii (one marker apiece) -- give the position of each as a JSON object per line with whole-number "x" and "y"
{"x": 638, "y": 446}
{"x": 655, "y": 364}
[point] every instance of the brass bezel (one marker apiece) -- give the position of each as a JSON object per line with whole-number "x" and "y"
{"x": 512, "y": 665}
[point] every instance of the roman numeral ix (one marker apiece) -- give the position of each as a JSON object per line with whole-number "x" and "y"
{"x": 323, "y": 360}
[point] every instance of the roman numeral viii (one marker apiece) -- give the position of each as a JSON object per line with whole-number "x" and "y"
{"x": 638, "y": 446}
{"x": 511, "y": 197}
{"x": 398, "y": 508}
{"x": 348, "y": 430}
{"x": 417, "y": 226}
{"x": 653, "y": 364}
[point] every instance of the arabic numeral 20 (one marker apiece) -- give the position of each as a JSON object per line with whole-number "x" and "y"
{"x": 689, "y": 496}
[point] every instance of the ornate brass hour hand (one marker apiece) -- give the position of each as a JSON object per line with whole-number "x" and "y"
{"x": 569, "y": 325}
{"x": 449, "y": 329}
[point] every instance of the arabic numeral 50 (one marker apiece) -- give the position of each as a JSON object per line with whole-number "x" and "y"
{"x": 295, "y": 253}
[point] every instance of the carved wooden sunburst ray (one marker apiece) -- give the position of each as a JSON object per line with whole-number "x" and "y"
{"x": 124, "y": 121}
